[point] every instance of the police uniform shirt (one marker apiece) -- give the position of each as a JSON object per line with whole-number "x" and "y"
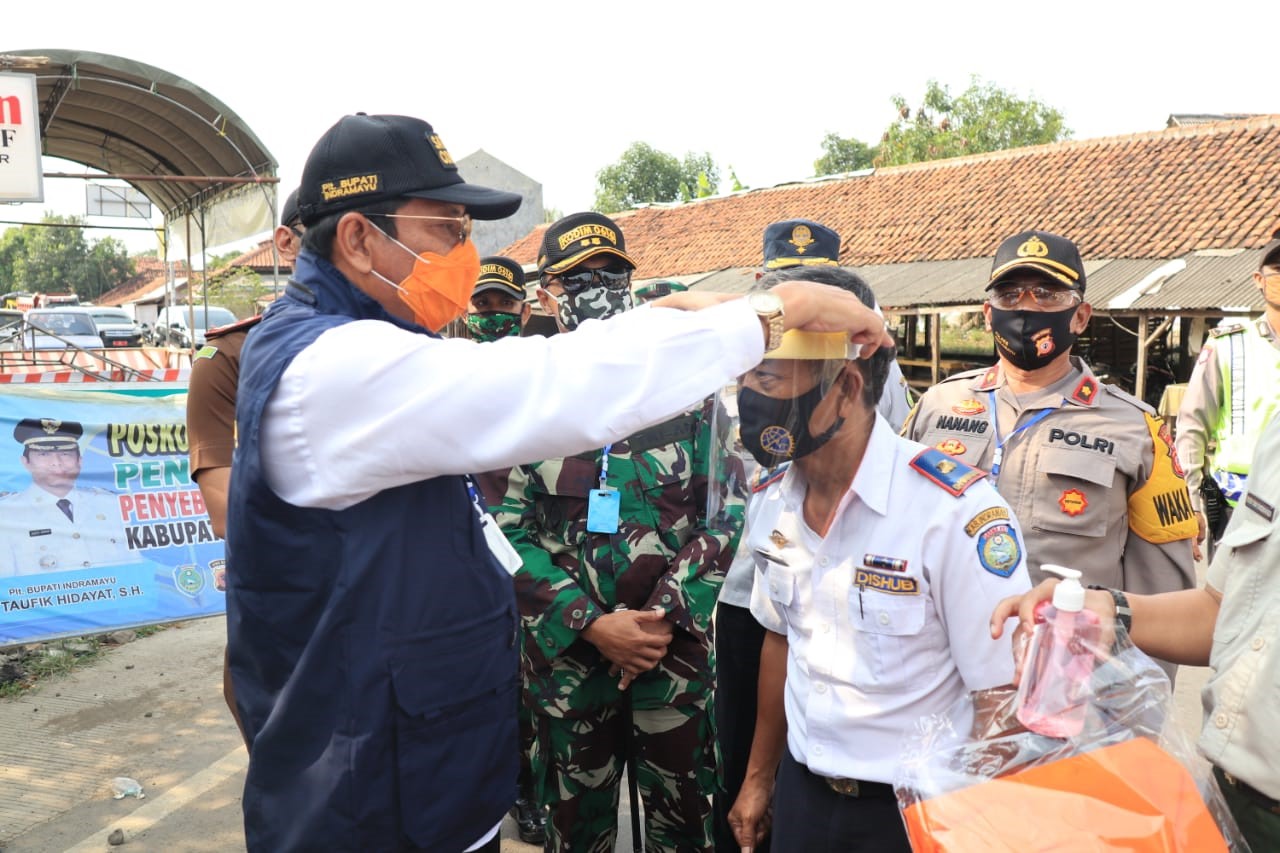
{"x": 39, "y": 537}
{"x": 1088, "y": 469}
{"x": 1241, "y": 732}
{"x": 1200, "y": 412}
{"x": 886, "y": 616}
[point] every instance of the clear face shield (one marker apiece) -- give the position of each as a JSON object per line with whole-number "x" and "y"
{"x": 784, "y": 409}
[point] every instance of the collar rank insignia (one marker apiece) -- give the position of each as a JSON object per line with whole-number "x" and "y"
{"x": 989, "y": 378}
{"x": 1086, "y": 392}
{"x": 951, "y": 474}
{"x": 766, "y": 477}
{"x": 778, "y": 540}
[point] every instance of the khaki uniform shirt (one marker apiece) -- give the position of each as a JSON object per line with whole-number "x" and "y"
{"x": 1089, "y": 472}
{"x": 1241, "y": 731}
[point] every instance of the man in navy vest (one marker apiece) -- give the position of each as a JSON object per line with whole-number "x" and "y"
{"x": 371, "y": 616}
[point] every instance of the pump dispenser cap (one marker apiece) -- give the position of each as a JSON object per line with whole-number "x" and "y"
{"x": 1068, "y": 595}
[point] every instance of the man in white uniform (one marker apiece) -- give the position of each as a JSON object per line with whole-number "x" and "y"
{"x": 876, "y": 560}
{"x": 54, "y": 525}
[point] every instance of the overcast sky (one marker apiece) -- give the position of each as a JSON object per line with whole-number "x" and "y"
{"x": 559, "y": 90}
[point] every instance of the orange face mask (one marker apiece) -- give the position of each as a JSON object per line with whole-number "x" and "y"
{"x": 438, "y": 289}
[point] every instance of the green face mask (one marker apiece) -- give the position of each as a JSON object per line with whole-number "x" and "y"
{"x": 492, "y": 325}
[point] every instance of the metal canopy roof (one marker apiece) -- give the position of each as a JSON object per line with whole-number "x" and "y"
{"x": 139, "y": 123}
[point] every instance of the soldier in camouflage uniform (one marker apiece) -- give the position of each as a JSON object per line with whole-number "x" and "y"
{"x": 1232, "y": 394}
{"x": 616, "y": 598}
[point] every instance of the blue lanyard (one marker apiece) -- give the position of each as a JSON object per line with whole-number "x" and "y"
{"x": 604, "y": 464}
{"x": 998, "y": 456}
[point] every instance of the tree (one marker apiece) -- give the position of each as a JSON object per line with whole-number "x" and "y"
{"x": 982, "y": 118}
{"x": 843, "y": 155}
{"x": 644, "y": 174}
{"x": 54, "y": 257}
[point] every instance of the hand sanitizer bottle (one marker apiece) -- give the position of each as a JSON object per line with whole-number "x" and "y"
{"x": 1055, "y": 690}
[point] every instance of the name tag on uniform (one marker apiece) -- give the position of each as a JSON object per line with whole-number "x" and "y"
{"x": 44, "y": 532}
{"x": 602, "y": 510}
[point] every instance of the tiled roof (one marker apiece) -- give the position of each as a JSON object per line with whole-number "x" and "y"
{"x": 150, "y": 274}
{"x": 261, "y": 259}
{"x": 1159, "y": 194}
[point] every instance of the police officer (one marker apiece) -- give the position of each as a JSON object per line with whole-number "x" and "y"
{"x": 1088, "y": 469}
{"x": 371, "y": 619}
{"x": 55, "y": 525}
{"x": 876, "y": 560}
{"x": 658, "y": 289}
{"x": 1230, "y": 624}
{"x": 1232, "y": 394}
{"x": 498, "y": 308}
{"x": 620, "y": 577}
{"x": 803, "y": 243}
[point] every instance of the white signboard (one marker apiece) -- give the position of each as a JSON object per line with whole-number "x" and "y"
{"x": 21, "y": 168}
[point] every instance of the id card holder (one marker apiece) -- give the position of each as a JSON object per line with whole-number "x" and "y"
{"x": 507, "y": 556}
{"x": 602, "y": 510}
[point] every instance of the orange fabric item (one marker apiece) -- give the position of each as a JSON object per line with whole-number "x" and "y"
{"x": 1130, "y": 796}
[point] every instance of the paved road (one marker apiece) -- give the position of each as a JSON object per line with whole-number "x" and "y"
{"x": 153, "y": 710}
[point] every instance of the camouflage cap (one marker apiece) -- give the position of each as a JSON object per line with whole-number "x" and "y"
{"x": 48, "y": 434}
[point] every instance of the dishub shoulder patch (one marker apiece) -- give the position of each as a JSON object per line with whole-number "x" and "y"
{"x": 765, "y": 477}
{"x": 951, "y": 474}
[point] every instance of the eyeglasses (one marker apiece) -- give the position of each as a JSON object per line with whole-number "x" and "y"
{"x": 1010, "y": 295}
{"x": 613, "y": 277}
{"x": 462, "y": 223}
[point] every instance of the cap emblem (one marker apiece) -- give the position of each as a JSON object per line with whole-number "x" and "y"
{"x": 801, "y": 238}
{"x": 586, "y": 233}
{"x": 355, "y": 185}
{"x": 443, "y": 153}
{"x": 50, "y": 426}
{"x": 1033, "y": 248}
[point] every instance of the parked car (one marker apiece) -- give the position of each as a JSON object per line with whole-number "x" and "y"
{"x": 59, "y": 328}
{"x": 115, "y": 326}
{"x": 172, "y": 325}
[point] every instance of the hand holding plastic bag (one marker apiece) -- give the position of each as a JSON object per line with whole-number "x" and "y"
{"x": 1122, "y": 776}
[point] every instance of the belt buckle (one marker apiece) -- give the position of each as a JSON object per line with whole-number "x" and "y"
{"x": 844, "y": 787}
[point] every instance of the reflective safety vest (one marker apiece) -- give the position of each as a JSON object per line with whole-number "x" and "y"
{"x": 1250, "y": 366}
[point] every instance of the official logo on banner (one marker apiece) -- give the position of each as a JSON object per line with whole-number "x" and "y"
{"x": 188, "y": 580}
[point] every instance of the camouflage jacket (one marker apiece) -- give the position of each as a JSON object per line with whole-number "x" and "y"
{"x": 665, "y": 554}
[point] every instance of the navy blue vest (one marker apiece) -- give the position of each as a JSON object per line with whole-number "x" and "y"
{"x": 372, "y": 649}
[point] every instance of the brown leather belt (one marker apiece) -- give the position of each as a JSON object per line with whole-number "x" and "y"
{"x": 1262, "y": 800}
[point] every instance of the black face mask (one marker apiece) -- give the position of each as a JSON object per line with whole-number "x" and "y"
{"x": 777, "y": 431}
{"x": 1032, "y": 339}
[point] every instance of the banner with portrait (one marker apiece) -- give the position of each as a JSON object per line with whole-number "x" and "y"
{"x": 101, "y": 526}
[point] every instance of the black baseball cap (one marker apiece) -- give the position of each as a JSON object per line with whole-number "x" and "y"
{"x": 1043, "y": 252}
{"x": 1271, "y": 251}
{"x": 578, "y": 236}
{"x": 48, "y": 434}
{"x": 289, "y": 213}
{"x": 498, "y": 272}
{"x": 365, "y": 159}
{"x": 800, "y": 242}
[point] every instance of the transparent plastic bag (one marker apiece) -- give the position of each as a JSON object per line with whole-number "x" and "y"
{"x": 1130, "y": 779}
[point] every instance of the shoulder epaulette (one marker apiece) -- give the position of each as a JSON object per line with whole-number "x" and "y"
{"x": 239, "y": 325}
{"x": 765, "y": 477}
{"x": 1121, "y": 394}
{"x": 1223, "y": 331}
{"x": 964, "y": 374}
{"x": 951, "y": 474}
